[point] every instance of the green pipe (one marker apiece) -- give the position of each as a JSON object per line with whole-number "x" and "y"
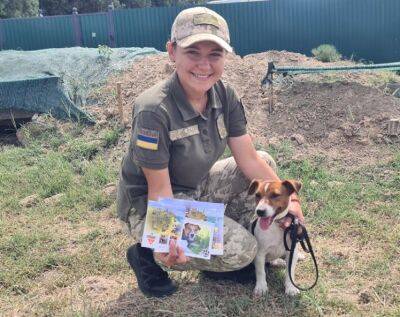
{"x": 306, "y": 70}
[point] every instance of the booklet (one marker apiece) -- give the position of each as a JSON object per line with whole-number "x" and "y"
{"x": 208, "y": 212}
{"x": 196, "y": 226}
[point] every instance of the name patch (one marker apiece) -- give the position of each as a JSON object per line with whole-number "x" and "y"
{"x": 183, "y": 132}
{"x": 205, "y": 18}
{"x": 147, "y": 139}
{"x": 221, "y": 127}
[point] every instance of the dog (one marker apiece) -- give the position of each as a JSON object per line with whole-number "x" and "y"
{"x": 189, "y": 233}
{"x": 272, "y": 200}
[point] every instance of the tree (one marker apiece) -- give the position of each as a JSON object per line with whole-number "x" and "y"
{"x": 135, "y": 3}
{"x": 18, "y": 8}
{"x": 87, "y": 6}
{"x": 59, "y": 7}
{"x": 53, "y": 7}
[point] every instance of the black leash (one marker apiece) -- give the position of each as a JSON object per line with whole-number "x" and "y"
{"x": 296, "y": 236}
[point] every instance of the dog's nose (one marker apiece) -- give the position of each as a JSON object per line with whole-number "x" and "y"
{"x": 260, "y": 213}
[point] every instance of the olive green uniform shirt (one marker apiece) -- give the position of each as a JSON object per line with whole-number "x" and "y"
{"x": 168, "y": 133}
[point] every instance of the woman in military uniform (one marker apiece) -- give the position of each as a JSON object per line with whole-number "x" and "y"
{"x": 180, "y": 129}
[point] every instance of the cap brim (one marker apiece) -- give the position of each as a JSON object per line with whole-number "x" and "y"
{"x": 187, "y": 41}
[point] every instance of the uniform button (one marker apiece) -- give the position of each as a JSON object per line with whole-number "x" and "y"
{"x": 205, "y": 132}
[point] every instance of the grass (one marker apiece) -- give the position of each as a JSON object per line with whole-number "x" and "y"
{"x": 68, "y": 259}
{"x": 326, "y": 53}
{"x": 111, "y": 136}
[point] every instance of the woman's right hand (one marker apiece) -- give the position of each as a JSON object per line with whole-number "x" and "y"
{"x": 174, "y": 256}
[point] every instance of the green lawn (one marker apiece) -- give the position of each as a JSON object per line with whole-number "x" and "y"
{"x": 68, "y": 258}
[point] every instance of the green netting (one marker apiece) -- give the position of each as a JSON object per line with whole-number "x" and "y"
{"x": 40, "y": 95}
{"x": 59, "y": 81}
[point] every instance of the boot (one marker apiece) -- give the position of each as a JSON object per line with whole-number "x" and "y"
{"x": 152, "y": 280}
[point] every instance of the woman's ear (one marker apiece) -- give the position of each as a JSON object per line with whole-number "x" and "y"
{"x": 171, "y": 51}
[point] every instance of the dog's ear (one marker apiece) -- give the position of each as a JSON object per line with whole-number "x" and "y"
{"x": 292, "y": 185}
{"x": 253, "y": 186}
{"x": 198, "y": 228}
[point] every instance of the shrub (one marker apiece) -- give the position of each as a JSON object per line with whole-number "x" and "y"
{"x": 104, "y": 52}
{"x": 326, "y": 53}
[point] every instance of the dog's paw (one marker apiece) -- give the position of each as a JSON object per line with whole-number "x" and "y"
{"x": 260, "y": 289}
{"x": 291, "y": 291}
{"x": 278, "y": 263}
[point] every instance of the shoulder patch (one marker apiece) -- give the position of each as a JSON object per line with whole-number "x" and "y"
{"x": 147, "y": 139}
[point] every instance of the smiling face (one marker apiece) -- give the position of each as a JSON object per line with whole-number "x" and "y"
{"x": 198, "y": 66}
{"x": 272, "y": 199}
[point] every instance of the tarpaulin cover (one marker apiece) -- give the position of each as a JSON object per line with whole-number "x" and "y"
{"x": 59, "y": 81}
{"x": 40, "y": 95}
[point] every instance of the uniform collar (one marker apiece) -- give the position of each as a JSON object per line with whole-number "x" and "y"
{"x": 183, "y": 105}
{"x": 213, "y": 98}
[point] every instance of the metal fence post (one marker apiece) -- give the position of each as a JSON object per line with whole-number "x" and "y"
{"x": 76, "y": 27}
{"x": 2, "y": 37}
{"x": 110, "y": 26}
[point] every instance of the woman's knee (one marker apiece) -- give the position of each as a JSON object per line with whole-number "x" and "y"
{"x": 240, "y": 246}
{"x": 240, "y": 255}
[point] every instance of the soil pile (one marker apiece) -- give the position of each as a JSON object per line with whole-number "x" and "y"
{"x": 342, "y": 115}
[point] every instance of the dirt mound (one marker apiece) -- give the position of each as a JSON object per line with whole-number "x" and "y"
{"x": 317, "y": 112}
{"x": 328, "y": 114}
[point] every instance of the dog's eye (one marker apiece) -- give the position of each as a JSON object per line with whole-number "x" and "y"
{"x": 258, "y": 195}
{"x": 274, "y": 195}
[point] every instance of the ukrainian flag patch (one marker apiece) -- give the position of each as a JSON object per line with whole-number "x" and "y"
{"x": 147, "y": 139}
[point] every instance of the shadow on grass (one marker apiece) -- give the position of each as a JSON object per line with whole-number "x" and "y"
{"x": 201, "y": 296}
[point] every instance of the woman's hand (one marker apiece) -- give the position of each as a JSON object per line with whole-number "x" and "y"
{"x": 295, "y": 210}
{"x": 174, "y": 256}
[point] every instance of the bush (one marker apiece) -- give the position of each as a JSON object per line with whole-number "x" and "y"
{"x": 326, "y": 53}
{"x": 104, "y": 52}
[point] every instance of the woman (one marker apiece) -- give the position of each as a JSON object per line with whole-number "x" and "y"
{"x": 181, "y": 127}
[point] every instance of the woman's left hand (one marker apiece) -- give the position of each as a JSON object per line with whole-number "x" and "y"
{"x": 295, "y": 210}
{"x": 174, "y": 256}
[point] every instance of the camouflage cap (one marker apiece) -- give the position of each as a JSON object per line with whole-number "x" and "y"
{"x": 200, "y": 24}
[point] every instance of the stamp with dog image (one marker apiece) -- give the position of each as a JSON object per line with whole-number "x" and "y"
{"x": 189, "y": 233}
{"x": 196, "y": 238}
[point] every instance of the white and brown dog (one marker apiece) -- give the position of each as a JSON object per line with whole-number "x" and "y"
{"x": 273, "y": 200}
{"x": 190, "y": 232}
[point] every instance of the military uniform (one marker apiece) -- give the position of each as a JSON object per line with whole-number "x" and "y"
{"x": 168, "y": 133}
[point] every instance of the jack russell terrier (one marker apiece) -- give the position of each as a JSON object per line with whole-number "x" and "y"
{"x": 189, "y": 233}
{"x": 273, "y": 200}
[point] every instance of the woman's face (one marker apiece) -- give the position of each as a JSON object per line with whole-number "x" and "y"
{"x": 198, "y": 66}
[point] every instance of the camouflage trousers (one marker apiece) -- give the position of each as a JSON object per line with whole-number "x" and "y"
{"x": 225, "y": 183}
